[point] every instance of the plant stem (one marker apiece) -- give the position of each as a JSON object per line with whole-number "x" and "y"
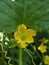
{"x": 39, "y": 55}
{"x": 30, "y": 56}
{"x": 36, "y": 52}
{"x": 20, "y": 55}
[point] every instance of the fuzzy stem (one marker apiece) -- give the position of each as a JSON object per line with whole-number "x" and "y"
{"x": 20, "y": 56}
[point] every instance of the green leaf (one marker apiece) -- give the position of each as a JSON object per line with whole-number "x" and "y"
{"x": 32, "y": 13}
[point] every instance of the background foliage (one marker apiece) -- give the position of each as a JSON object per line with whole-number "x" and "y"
{"x": 33, "y": 13}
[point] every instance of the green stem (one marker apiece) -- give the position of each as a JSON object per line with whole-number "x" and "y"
{"x": 36, "y": 52}
{"x": 30, "y": 51}
{"x": 30, "y": 56}
{"x": 20, "y": 55}
{"x": 39, "y": 55}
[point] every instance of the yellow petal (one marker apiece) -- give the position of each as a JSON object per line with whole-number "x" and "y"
{"x": 16, "y": 35}
{"x": 23, "y": 45}
{"x": 31, "y": 32}
{"x": 30, "y": 40}
{"x": 22, "y": 28}
{"x": 21, "y": 41}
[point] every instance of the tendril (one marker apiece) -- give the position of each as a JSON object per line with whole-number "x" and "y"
{"x": 9, "y": 58}
{"x": 30, "y": 56}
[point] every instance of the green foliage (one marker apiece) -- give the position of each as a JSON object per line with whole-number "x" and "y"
{"x": 30, "y": 55}
{"x": 33, "y": 13}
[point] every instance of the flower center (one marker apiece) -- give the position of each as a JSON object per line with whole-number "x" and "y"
{"x": 23, "y": 37}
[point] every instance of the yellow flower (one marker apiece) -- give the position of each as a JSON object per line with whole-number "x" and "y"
{"x": 24, "y": 35}
{"x": 46, "y": 60}
{"x": 42, "y": 48}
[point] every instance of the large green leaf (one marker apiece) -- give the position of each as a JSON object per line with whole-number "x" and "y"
{"x": 33, "y": 13}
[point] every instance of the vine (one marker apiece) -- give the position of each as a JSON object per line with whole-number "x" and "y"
{"x": 9, "y": 58}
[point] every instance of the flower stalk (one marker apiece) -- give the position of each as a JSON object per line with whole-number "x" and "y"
{"x": 20, "y": 55}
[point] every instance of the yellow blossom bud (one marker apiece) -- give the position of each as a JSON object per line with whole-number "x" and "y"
{"x": 42, "y": 48}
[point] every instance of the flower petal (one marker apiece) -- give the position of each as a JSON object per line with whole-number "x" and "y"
{"x": 21, "y": 41}
{"x": 30, "y": 40}
{"x": 23, "y": 45}
{"x": 22, "y": 28}
{"x": 31, "y": 32}
{"x": 16, "y": 35}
